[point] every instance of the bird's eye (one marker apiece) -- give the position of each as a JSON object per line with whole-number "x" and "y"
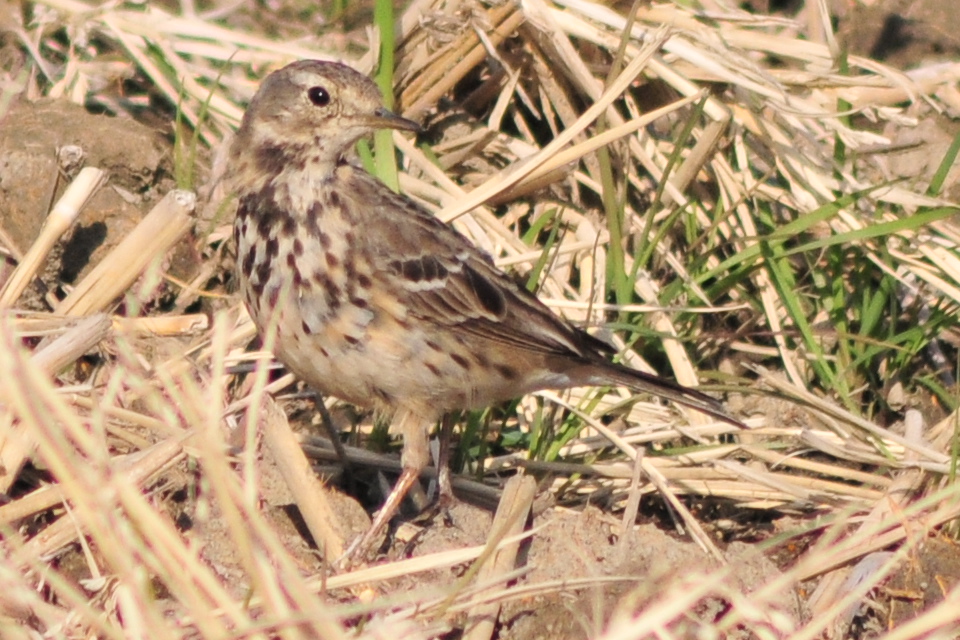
{"x": 318, "y": 96}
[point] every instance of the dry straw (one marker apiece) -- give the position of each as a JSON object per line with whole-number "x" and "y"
{"x": 733, "y": 135}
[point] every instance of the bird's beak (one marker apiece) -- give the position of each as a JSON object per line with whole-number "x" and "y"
{"x": 383, "y": 118}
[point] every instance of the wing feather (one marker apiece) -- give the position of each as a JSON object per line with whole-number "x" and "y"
{"x": 448, "y": 281}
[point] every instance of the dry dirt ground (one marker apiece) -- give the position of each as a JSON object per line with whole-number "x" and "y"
{"x": 575, "y": 543}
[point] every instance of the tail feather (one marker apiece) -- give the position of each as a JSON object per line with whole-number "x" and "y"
{"x": 607, "y": 373}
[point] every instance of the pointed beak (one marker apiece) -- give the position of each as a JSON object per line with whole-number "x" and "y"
{"x": 383, "y": 118}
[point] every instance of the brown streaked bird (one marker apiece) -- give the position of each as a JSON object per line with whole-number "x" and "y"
{"x": 370, "y": 298}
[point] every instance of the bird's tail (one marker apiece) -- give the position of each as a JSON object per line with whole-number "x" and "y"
{"x": 608, "y": 373}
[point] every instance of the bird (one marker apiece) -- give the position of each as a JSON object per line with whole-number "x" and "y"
{"x": 366, "y": 296}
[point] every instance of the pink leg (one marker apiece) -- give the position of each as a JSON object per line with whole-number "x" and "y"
{"x": 414, "y": 458}
{"x": 361, "y": 547}
{"x": 443, "y": 461}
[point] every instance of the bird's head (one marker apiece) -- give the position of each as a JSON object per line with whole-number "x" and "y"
{"x": 313, "y": 109}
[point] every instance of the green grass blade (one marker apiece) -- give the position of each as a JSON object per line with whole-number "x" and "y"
{"x": 879, "y": 230}
{"x": 385, "y": 161}
{"x": 936, "y": 183}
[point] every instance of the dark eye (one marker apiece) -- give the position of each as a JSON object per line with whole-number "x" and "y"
{"x": 318, "y": 96}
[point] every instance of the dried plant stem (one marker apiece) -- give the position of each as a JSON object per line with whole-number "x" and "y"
{"x": 16, "y": 441}
{"x": 308, "y": 492}
{"x": 61, "y": 218}
{"x": 151, "y": 239}
{"x": 427, "y": 88}
{"x": 521, "y": 169}
{"x": 509, "y": 521}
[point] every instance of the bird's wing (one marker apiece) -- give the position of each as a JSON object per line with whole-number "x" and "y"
{"x": 446, "y": 280}
{"x": 441, "y": 278}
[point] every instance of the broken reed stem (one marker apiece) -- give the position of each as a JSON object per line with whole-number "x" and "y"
{"x": 307, "y": 490}
{"x": 439, "y": 86}
{"x": 75, "y": 342}
{"x": 522, "y": 168}
{"x": 509, "y": 521}
{"x": 17, "y": 442}
{"x": 61, "y": 218}
{"x": 152, "y": 238}
{"x": 577, "y": 152}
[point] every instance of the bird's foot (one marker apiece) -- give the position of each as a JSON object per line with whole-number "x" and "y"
{"x": 360, "y": 549}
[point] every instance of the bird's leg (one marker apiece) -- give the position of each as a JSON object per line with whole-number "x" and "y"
{"x": 444, "y": 485}
{"x": 414, "y": 459}
{"x": 334, "y": 434}
{"x": 361, "y": 547}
